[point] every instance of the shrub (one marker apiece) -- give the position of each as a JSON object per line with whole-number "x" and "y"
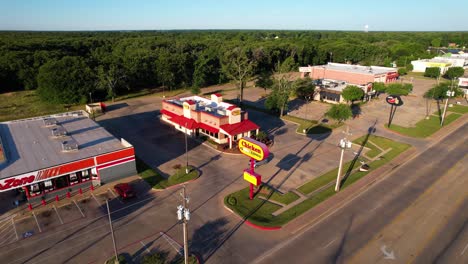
{"x": 176, "y": 166}
{"x": 402, "y": 71}
{"x": 432, "y": 72}
{"x": 232, "y": 201}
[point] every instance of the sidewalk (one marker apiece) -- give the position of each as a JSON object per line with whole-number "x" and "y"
{"x": 334, "y": 203}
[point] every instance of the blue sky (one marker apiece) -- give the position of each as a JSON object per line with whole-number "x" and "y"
{"x": 393, "y": 15}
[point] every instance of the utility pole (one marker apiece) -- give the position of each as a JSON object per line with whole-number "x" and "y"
{"x": 183, "y": 213}
{"x": 112, "y": 232}
{"x": 186, "y": 151}
{"x": 344, "y": 144}
{"x": 449, "y": 94}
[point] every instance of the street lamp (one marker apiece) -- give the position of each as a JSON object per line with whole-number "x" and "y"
{"x": 183, "y": 214}
{"x": 307, "y": 105}
{"x": 449, "y": 94}
{"x": 344, "y": 144}
{"x": 186, "y": 151}
{"x": 90, "y": 97}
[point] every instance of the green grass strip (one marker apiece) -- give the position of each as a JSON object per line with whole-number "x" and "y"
{"x": 425, "y": 127}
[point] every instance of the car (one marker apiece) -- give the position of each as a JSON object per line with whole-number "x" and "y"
{"x": 124, "y": 190}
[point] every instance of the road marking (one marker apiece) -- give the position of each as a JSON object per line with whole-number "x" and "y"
{"x": 56, "y": 211}
{"x": 79, "y": 208}
{"x": 146, "y": 248}
{"x": 463, "y": 252}
{"x": 37, "y": 222}
{"x": 115, "y": 196}
{"x": 327, "y": 245}
{"x": 14, "y": 227}
{"x": 95, "y": 199}
{"x": 387, "y": 255}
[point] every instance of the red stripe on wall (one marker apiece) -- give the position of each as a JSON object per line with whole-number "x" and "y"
{"x": 115, "y": 163}
{"x": 130, "y": 152}
{"x": 67, "y": 168}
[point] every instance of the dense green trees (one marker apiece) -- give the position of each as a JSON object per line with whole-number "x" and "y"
{"x": 352, "y": 93}
{"x": 177, "y": 59}
{"x": 68, "y": 80}
{"x": 279, "y": 96}
{"x": 433, "y": 72}
{"x": 399, "y": 89}
{"x": 454, "y": 72}
{"x": 339, "y": 112}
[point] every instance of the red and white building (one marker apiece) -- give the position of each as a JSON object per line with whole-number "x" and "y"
{"x": 222, "y": 122}
{"x": 53, "y": 155}
{"x": 354, "y": 74}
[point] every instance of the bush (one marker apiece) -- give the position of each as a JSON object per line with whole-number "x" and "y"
{"x": 232, "y": 201}
{"x": 399, "y": 89}
{"x": 409, "y": 67}
{"x": 262, "y": 136}
{"x": 121, "y": 258}
{"x": 432, "y": 72}
{"x": 176, "y": 166}
{"x": 402, "y": 71}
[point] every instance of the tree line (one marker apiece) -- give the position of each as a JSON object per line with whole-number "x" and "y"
{"x": 73, "y": 67}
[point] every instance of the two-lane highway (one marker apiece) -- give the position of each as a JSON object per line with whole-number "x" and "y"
{"x": 355, "y": 232}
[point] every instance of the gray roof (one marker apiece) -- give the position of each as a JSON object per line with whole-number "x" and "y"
{"x": 29, "y": 144}
{"x": 370, "y": 70}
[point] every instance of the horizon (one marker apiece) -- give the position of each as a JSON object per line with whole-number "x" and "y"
{"x": 145, "y": 15}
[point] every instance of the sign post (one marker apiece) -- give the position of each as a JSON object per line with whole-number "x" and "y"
{"x": 393, "y": 101}
{"x": 256, "y": 151}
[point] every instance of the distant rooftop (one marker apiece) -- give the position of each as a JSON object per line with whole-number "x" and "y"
{"x": 357, "y": 68}
{"x": 41, "y": 142}
{"x": 204, "y": 105}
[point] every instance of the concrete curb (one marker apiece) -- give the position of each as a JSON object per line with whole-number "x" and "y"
{"x": 247, "y": 222}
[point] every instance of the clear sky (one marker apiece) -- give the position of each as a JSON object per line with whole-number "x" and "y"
{"x": 392, "y": 15}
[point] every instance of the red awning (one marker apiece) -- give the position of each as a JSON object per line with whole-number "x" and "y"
{"x": 208, "y": 128}
{"x": 241, "y": 127}
{"x": 168, "y": 113}
{"x": 185, "y": 122}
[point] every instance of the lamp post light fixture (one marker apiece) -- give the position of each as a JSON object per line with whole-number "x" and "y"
{"x": 183, "y": 214}
{"x": 344, "y": 144}
{"x": 449, "y": 94}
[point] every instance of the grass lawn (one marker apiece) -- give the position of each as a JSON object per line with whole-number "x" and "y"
{"x": 157, "y": 181}
{"x": 311, "y": 126}
{"x": 276, "y": 196}
{"x": 460, "y": 109}
{"x": 260, "y": 212}
{"x": 425, "y": 127}
{"x": 24, "y": 104}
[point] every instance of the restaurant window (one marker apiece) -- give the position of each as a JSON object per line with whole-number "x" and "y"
{"x": 73, "y": 178}
{"x": 34, "y": 189}
{"x": 235, "y": 137}
{"x": 85, "y": 175}
{"x": 48, "y": 186}
{"x": 61, "y": 182}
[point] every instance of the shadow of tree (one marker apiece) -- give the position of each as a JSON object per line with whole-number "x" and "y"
{"x": 206, "y": 239}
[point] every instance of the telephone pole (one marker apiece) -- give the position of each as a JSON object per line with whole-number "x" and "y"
{"x": 183, "y": 213}
{"x": 449, "y": 94}
{"x": 186, "y": 152}
{"x": 344, "y": 144}
{"x": 112, "y": 232}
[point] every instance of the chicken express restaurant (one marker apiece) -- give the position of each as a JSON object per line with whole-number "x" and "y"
{"x": 48, "y": 156}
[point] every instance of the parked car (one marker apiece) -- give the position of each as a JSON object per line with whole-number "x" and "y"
{"x": 124, "y": 190}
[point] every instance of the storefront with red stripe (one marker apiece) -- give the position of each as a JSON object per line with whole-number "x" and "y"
{"x": 81, "y": 174}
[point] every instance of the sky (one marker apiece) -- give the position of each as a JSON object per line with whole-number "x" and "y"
{"x": 393, "y": 15}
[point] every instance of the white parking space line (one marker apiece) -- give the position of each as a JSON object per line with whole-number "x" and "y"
{"x": 463, "y": 252}
{"x": 331, "y": 242}
{"x": 96, "y": 199}
{"x": 146, "y": 248}
{"x": 14, "y": 227}
{"x": 113, "y": 193}
{"x": 37, "y": 222}
{"x": 60, "y": 218}
{"x": 79, "y": 208}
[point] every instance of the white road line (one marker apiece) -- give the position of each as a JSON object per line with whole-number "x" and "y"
{"x": 79, "y": 208}
{"x": 14, "y": 227}
{"x": 37, "y": 222}
{"x": 60, "y": 218}
{"x": 327, "y": 245}
{"x": 463, "y": 252}
{"x": 115, "y": 196}
{"x": 146, "y": 248}
{"x": 95, "y": 199}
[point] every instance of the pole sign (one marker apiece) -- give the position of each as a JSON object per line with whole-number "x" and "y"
{"x": 253, "y": 149}
{"x": 394, "y": 100}
{"x": 252, "y": 177}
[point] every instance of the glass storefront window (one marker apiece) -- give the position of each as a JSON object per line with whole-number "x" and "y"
{"x": 48, "y": 185}
{"x": 85, "y": 175}
{"x": 34, "y": 189}
{"x": 61, "y": 182}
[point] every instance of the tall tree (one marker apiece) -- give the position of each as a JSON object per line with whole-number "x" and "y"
{"x": 111, "y": 79}
{"x": 279, "y": 96}
{"x": 66, "y": 81}
{"x": 238, "y": 66}
{"x": 454, "y": 72}
{"x": 339, "y": 112}
{"x": 304, "y": 88}
{"x": 352, "y": 93}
